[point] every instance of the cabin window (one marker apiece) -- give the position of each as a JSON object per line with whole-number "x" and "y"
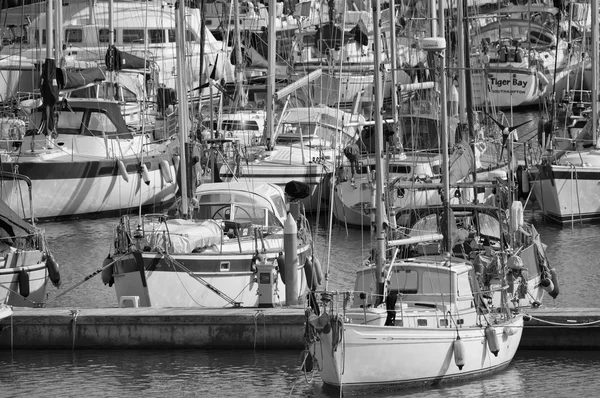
{"x": 249, "y": 214}
{"x": 436, "y": 282}
{"x": 234, "y": 125}
{"x": 443, "y": 322}
{"x": 104, "y": 35}
{"x": 69, "y": 122}
{"x": 87, "y": 92}
{"x": 156, "y": 35}
{"x": 172, "y": 37}
{"x": 73, "y": 36}
{"x": 405, "y": 281}
{"x": 128, "y": 95}
{"x": 273, "y": 221}
{"x": 133, "y": 36}
{"x": 400, "y": 169}
{"x": 280, "y": 206}
{"x": 100, "y": 123}
{"x": 421, "y": 322}
{"x": 108, "y": 91}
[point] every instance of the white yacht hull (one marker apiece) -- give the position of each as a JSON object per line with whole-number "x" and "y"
{"x": 388, "y": 356}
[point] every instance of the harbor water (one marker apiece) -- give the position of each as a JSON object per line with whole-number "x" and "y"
{"x": 80, "y": 246}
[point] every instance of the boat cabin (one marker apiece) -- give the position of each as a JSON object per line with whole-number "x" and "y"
{"x": 261, "y": 205}
{"x": 85, "y": 117}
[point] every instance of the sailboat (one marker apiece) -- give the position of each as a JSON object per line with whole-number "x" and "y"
{"x": 411, "y": 321}
{"x": 565, "y": 183}
{"x": 81, "y": 155}
{"x": 146, "y": 30}
{"x": 522, "y": 59}
{"x": 26, "y": 263}
{"x": 301, "y": 146}
{"x": 226, "y": 244}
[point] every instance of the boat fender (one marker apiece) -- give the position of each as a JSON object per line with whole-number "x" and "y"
{"x": 459, "y": 353}
{"x": 107, "y": 271}
{"x": 123, "y": 170}
{"x": 310, "y": 275}
{"x": 318, "y": 270}
{"x": 554, "y": 292}
{"x": 281, "y": 266}
{"x": 23, "y": 283}
{"x": 53, "y": 271}
{"x": 516, "y": 215}
{"x": 165, "y": 170}
{"x": 306, "y": 361}
{"x": 492, "y": 340}
{"x": 145, "y": 174}
{"x": 547, "y": 285}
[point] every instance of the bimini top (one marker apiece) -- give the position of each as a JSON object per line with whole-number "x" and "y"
{"x": 262, "y": 195}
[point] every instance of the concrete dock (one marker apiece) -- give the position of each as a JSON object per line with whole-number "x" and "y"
{"x": 247, "y": 328}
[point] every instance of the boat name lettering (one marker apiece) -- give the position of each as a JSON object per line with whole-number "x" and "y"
{"x": 508, "y": 82}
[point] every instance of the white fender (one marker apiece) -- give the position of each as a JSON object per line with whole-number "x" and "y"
{"x": 165, "y": 170}
{"x": 123, "y": 170}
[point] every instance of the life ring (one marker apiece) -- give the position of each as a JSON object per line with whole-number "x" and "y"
{"x": 23, "y": 283}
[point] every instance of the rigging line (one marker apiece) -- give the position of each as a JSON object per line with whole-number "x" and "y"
{"x": 197, "y": 278}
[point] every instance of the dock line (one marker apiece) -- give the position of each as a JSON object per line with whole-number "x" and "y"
{"x": 571, "y": 323}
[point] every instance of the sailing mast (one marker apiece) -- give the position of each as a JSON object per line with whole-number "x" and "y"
{"x": 595, "y": 72}
{"x": 444, "y": 131}
{"x": 379, "y": 153}
{"x": 183, "y": 103}
{"x": 270, "y": 122}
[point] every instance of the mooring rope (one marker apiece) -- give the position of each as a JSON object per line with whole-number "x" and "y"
{"x": 569, "y": 324}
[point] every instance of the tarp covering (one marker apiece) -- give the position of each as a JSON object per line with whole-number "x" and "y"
{"x": 77, "y": 79}
{"x": 185, "y": 235}
{"x": 116, "y": 60}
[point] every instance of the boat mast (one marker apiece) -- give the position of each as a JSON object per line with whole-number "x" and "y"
{"x": 270, "y": 122}
{"x": 183, "y": 103}
{"x": 239, "y": 69}
{"x": 394, "y": 63}
{"x": 444, "y": 130}
{"x": 379, "y": 153}
{"x": 50, "y": 63}
{"x": 595, "y": 72}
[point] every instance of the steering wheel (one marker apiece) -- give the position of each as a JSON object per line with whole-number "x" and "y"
{"x": 223, "y": 213}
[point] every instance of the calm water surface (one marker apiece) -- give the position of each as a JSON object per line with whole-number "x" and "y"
{"x": 80, "y": 246}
